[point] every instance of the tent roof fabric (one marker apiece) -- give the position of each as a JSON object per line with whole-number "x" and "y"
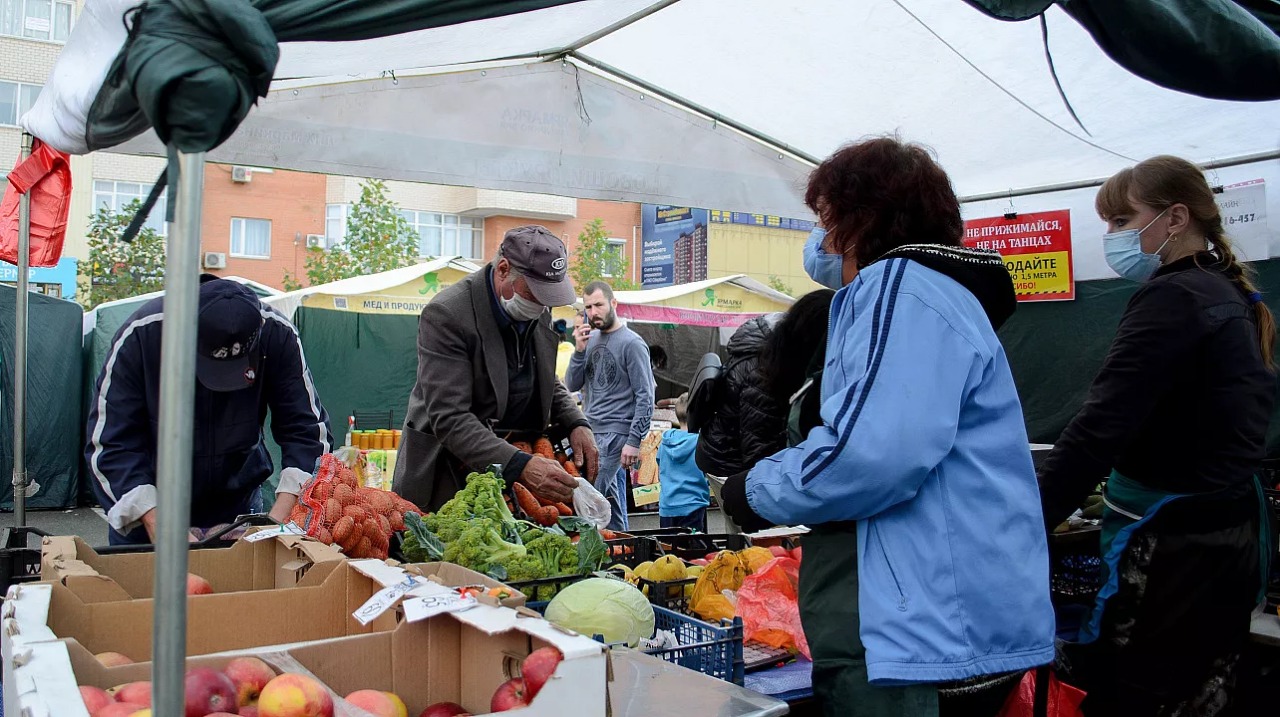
{"x": 651, "y": 296}
{"x": 373, "y": 283}
{"x": 975, "y": 89}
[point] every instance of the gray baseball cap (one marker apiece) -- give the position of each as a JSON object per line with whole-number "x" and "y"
{"x": 541, "y": 257}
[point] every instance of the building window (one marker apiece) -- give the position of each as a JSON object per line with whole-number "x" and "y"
{"x": 335, "y": 224}
{"x": 116, "y": 196}
{"x": 251, "y": 238}
{"x": 446, "y": 234}
{"x": 37, "y": 19}
{"x": 16, "y": 99}
{"x": 617, "y": 256}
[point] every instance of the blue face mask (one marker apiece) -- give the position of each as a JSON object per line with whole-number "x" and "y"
{"x": 826, "y": 269}
{"x": 1125, "y": 255}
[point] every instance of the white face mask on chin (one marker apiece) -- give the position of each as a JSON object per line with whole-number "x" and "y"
{"x": 522, "y": 309}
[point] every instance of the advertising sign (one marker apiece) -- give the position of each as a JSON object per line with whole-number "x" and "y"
{"x": 1036, "y": 248}
{"x": 673, "y": 245}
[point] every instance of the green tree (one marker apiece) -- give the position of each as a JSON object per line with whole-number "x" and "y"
{"x": 597, "y": 260}
{"x": 777, "y": 284}
{"x": 378, "y": 239}
{"x": 116, "y": 269}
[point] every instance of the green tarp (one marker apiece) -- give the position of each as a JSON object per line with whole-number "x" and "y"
{"x": 1056, "y": 348}
{"x": 1222, "y": 49}
{"x": 55, "y": 428}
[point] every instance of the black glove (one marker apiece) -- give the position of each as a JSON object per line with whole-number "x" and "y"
{"x": 733, "y": 497}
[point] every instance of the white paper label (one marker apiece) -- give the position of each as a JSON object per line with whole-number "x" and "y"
{"x": 37, "y": 24}
{"x": 383, "y": 600}
{"x": 289, "y": 529}
{"x": 421, "y": 608}
{"x": 1244, "y": 216}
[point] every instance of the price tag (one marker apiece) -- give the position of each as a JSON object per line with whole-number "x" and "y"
{"x": 383, "y": 600}
{"x": 288, "y": 529}
{"x": 421, "y": 608}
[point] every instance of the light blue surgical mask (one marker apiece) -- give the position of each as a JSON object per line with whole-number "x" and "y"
{"x": 1125, "y": 255}
{"x": 826, "y": 269}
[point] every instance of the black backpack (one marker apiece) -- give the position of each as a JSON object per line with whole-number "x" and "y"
{"x": 704, "y": 393}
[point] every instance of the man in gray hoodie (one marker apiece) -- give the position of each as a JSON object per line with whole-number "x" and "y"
{"x": 611, "y": 367}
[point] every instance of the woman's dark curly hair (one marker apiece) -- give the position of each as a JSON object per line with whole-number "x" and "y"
{"x": 879, "y": 194}
{"x": 789, "y": 350}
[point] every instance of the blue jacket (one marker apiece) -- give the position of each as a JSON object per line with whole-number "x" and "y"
{"x": 923, "y": 444}
{"x": 684, "y": 487}
{"x": 230, "y": 458}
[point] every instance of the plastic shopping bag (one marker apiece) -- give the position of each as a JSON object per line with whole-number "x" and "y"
{"x": 769, "y": 605}
{"x": 1042, "y": 694}
{"x": 591, "y": 505}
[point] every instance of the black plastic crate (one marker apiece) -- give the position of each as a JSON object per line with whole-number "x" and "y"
{"x": 669, "y": 594}
{"x": 697, "y": 545}
{"x": 19, "y": 559}
{"x": 1075, "y": 566}
{"x": 543, "y": 589}
{"x": 633, "y": 551}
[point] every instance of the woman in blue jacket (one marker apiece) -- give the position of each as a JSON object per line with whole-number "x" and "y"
{"x": 927, "y": 567}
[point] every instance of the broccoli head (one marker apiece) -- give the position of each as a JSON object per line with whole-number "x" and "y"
{"x": 480, "y": 546}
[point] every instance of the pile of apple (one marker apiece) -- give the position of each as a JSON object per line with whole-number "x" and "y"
{"x": 248, "y": 687}
{"x": 236, "y": 690}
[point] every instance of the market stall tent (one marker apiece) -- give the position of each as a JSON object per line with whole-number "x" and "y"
{"x": 360, "y": 335}
{"x": 55, "y": 424}
{"x": 687, "y": 321}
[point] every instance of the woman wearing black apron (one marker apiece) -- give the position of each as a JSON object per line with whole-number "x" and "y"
{"x": 1177, "y": 417}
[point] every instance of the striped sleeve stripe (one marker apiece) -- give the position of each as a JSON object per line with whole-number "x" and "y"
{"x": 95, "y": 436}
{"x": 312, "y": 397}
{"x": 866, "y": 384}
{"x": 871, "y": 352}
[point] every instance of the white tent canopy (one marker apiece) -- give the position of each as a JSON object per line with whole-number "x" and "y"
{"x": 288, "y": 303}
{"x": 798, "y": 79}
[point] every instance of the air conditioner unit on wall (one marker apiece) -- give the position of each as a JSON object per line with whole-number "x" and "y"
{"x": 215, "y": 260}
{"x": 315, "y": 241}
{"x": 243, "y": 175}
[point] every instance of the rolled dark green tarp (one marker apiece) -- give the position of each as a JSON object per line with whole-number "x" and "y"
{"x": 192, "y": 69}
{"x": 1221, "y": 49}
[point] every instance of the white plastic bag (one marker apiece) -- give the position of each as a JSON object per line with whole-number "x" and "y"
{"x": 591, "y": 505}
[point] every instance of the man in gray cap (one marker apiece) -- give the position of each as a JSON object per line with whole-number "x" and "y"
{"x": 486, "y": 363}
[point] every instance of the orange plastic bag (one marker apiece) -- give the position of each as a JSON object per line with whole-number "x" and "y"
{"x": 769, "y": 605}
{"x": 1056, "y": 698}
{"x": 46, "y": 174}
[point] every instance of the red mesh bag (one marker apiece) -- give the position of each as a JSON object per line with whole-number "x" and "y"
{"x": 335, "y": 509}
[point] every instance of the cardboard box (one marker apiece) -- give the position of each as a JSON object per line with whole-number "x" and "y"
{"x": 454, "y": 657}
{"x": 456, "y": 576}
{"x": 319, "y": 607}
{"x": 270, "y": 564}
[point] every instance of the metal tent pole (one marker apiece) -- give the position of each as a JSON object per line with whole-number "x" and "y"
{"x": 20, "y": 352}
{"x": 177, "y": 421}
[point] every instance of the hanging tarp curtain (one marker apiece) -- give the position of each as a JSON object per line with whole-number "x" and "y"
{"x": 1224, "y": 49}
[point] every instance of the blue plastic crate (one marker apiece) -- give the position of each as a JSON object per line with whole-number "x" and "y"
{"x": 706, "y": 648}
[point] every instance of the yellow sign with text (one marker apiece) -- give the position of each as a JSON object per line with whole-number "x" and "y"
{"x": 1037, "y": 274}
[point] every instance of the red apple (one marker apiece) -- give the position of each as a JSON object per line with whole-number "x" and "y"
{"x": 537, "y": 668}
{"x": 250, "y": 675}
{"x": 197, "y": 585}
{"x": 249, "y": 711}
{"x": 138, "y": 693}
{"x": 291, "y": 695}
{"x": 208, "y": 691}
{"x": 382, "y": 704}
{"x": 508, "y": 696}
{"x": 226, "y": 714}
{"x": 445, "y": 709}
{"x": 113, "y": 659}
{"x": 119, "y": 709}
{"x": 95, "y": 698}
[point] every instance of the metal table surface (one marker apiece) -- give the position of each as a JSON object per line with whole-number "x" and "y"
{"x": 644, "y": 686}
